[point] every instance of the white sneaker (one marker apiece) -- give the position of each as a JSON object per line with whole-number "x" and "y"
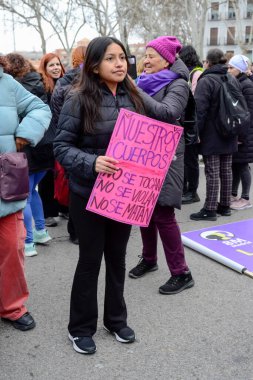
{"x": 41, "y": 236}
{"x": 51, "y": 221}
{"x": 233, "y": 199}
{"x": 30, "y": 250}
{"x": 241, "y": 204}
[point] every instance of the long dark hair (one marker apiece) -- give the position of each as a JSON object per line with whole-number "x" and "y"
{"x": 189, "y": 56}
{"x": 89, "y": 86}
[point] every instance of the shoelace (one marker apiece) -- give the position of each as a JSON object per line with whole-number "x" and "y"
{"x": 173, "y": 280}
{"x": 141, "y": 264}
{"x": 77, "y": 338}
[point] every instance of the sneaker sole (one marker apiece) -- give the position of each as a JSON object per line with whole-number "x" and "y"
{"x": 118, "y": 338}
{"x": 189, "y": 202}
{"x": 42, "y": 241}
{"x": 131, "y": 275}
{"x": 241, "y": 208}
{"x": 77, "y": 349}
{"x": 186, "y": 286}
{"x": 210, "y": 218}
{"x": 31, "y": 254}
{"x": 51, "y": 224}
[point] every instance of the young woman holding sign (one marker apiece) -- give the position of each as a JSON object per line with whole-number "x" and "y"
{"x": 85, "y": 126}
{"x": 165, "y": 94}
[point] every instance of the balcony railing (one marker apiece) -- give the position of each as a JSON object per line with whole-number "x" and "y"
{"x": 249, "y": 14}
{"x": 214, "y": 17}
{"x": 230, "y": 15}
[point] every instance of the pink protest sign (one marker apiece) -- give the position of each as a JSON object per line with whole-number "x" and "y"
{"x": 144, "y": 148}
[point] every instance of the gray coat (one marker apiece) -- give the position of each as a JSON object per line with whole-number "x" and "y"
{"x": 168, "y": 105}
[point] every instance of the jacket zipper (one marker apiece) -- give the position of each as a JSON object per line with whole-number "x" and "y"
{"x": 116, "y": 103}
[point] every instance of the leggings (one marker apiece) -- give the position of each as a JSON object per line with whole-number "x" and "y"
{"x": 241, "y": 172}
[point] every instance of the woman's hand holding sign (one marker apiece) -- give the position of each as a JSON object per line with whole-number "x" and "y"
{"x": 105, "y": 164}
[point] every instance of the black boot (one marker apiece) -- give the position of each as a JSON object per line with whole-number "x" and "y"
{"x": 204, "y": 214}
{"x": 190, "y": 197}
{"x": 223, "y": 210}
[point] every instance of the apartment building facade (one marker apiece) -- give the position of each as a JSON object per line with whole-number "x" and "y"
{"x": 230, "y": 28}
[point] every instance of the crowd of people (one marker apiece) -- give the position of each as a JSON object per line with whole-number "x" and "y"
{"x": 64, "y": 121}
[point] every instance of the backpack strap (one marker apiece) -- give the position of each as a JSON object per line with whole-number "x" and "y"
{"x": 197, "y": 68}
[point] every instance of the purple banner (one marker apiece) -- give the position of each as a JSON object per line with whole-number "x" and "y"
{"x": 233, "y": 241}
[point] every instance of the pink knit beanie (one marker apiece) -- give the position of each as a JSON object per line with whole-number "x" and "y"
{"x": 166, "y": 46}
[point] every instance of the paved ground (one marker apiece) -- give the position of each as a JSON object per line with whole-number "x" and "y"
{"x": 203, "y": 333}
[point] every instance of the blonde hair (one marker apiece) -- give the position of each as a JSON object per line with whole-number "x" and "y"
{"x": 140, "y": 66}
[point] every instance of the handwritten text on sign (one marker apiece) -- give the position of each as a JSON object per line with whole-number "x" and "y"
{"x": 144, "y": 148}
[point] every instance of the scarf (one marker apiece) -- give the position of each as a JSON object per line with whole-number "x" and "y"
{"x": 152, "y": 83}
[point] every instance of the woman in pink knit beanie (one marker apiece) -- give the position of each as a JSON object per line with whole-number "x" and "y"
{"x": 165, "y": 94}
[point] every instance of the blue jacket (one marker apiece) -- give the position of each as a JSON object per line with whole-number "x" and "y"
{"x": 21, "y": 115}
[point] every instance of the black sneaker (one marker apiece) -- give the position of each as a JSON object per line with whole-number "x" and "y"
{"x": 24, "y": 323}
{"x": 124, "y": 335}
{"x": 223, "y": 210}
{"x": 204, "y": 214}
{"x": 189, "y": 198}
{"x": 142, "y": 268}
{"x": 177, "y": 284}
{"x": 83, "y": 344}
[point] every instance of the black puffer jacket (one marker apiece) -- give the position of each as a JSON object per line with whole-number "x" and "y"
{"x": 207, "y": 102}
{"x": 168, "y": 105}
{"x": 38, "y": 157}
{"x": 62, "y": 88}
{"x": 245, "y": 150}
{"x": 33, "y": 83}
{"x": 77, "y": 151}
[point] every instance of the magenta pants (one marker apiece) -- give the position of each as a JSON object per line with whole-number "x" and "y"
{"x": 163, "y": 221}
{"x": 13, "y": 287}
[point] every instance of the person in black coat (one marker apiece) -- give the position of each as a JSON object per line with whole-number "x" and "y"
{"x": 84, "y": 130}
{"x": 61, "y": 90}
{"x": 217, "y": 150}
{"x": 238, "y": 67}
{"x": 191, "y": 155}
{"x": 51, "y": 69}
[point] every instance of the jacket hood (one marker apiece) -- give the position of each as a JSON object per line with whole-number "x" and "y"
{"x": 242, "y": 77}
{"x": 180, "y": 68}
{"x": 70, "y": 76}
{"x": 216, "y": 69}
{"x": 31, "y": 78}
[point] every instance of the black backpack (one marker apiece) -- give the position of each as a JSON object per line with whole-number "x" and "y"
{"x": 234, "y": 116}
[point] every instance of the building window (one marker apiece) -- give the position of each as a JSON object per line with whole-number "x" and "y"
{"x": 231, "y": 35}
{"x": 231, "y": 10}
{"x": 215, "y": 11}
{"x": 214, "y": 36}
{"x": 248, "y": 34}
{"x": 249, "y": 8}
